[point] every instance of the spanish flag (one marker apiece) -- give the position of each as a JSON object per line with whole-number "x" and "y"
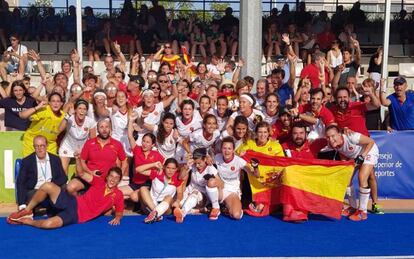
{"x": 312, "y": 185}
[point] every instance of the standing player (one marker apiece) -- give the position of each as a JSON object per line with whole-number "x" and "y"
{"x": 365, "y": 152}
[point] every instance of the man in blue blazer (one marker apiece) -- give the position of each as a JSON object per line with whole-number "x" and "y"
{"x": 36, "y": 169}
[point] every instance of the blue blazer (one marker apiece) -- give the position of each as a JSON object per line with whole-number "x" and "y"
{"x": 27, "y": 178}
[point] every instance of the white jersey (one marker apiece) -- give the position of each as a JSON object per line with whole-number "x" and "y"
{"x": 229, "y": 171}
{"x": 120, "y": 130}
{"x": 351, "y": 149}
{"x": 76, "y": 135}
{"x": 198, "y": 140}
{"x": 162, "y": 188}
{"x": 185, "y": 129}
{"x": 253, "y": 118}
{"x": 221, "y": 121}
{"x": 197, "y": 178}
{"x": 166, "y": 149}
{"x": 153, "y": 118}
{"x": 270, "y": 119}
{"x": 21, "y": 50}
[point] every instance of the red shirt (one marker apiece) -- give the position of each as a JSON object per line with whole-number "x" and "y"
{"x": 324, "y": 114}
{"x": 308, "y": 150}
{"x": 102, "y": 158}
{"x": 280, "y": 133}
{"x": 353, "y": 117}
{"x": 325, "y": 39}
{"x": 175, "y": 180}
{"x": 311, "y": 71}
{"x": 94, "y": 202}
{"x": 141, "y": 159}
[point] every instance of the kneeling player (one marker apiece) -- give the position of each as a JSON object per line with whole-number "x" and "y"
{"x": 100, "y": 197}
{"x": 196, "y": 193}
{"x": 365, "y": 152}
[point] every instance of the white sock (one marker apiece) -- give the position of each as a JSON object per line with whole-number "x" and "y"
{"x": 162, "y": 208}
{"x": 189, "y": 204}
{"x": 350, "y": 191}
{"x": 213, "y": 195}
{"x": 364, "y": 198}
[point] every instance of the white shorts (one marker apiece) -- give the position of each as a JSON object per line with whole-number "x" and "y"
{"x": 67, "y": 150}
{"x": 372, "y": 157}
{"x": 228, "y": 190}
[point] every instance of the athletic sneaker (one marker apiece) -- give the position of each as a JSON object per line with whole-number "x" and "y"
{"x": 179, "y": 216}
{"x": 348, "y": 211}
{"x": 359, "y": 215}
{"x": 214, "y": 214}
{"x": 376, "y": 209}
{"x": 152, "y": 217}
{"x": 24, "y": 213}
{"x": 13, "y": 222}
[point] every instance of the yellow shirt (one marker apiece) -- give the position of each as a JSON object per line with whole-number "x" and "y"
{"x": 272, "y": 148}
{"x": 46, "y": 123}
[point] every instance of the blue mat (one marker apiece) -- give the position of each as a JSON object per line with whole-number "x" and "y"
{"x": 381, "y": 235}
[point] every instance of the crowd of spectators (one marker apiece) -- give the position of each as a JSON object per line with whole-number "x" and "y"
{"x": 152, "y": 123}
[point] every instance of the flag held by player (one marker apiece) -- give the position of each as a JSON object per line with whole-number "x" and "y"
{"x": 316, "y": 186}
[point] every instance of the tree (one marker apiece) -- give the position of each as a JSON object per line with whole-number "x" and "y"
{"x": 42, "y": 3}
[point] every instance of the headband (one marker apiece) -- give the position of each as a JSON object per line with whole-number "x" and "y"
{"x": 248, "y": 98}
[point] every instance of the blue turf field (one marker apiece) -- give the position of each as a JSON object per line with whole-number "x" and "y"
{"x": 384, "y": 235}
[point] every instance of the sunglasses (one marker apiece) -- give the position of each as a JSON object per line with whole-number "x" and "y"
{"x": 168, "y": 47}
{"x": 155, "y": 88}
{"x": 163, "y": 81}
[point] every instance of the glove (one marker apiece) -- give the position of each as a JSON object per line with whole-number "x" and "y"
{"x": 359, "y": 160}
{"x": 208, "y": 177}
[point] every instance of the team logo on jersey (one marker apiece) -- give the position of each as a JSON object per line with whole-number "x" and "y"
{"x": 156, "y": 113}
{"x": 350, "y": 148}
{"x": 269, "y": 149}
{"x": 65, "y": 152}
{"x": 86, "y": 129}
{"x": 191, "y": 129}
{"x": 171, "y": 141}
{"x": 232, "y": 168}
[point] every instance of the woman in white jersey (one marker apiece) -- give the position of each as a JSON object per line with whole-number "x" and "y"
{"x": 165, "y": 185}
{"x": 226, "y": 187}
{"x": 166, "y": 134}
{"x": 271, "y": 108}
{"x": 205, "y": 137}
{"x": 196, "y": 193}
{"x": 119, "y": 118}
{"x": 221, "y": 112}
{"x": 187, "y": 122}
{"x": 150, "y": 111}
{"x": 365, "y": 153}
{"x": 78, "y": 128}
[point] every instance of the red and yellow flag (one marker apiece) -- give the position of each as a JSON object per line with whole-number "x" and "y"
{"x": 313, "y": 185}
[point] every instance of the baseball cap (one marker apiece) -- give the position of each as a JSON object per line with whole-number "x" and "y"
{"x": 399, "y": 80}
{"x": 280, "y": 58}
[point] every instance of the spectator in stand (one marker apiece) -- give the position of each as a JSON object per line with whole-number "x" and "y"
{"x": 233, "y": 41}
{"x": 69, "y": 25}
{"x": 18, "y": 101}
{"x": 51, "y": 25}
{"x": 228, "y": 21}
{"x": 32, "y": 25}
{"x": 38, "y": 168}
{"x": 17, "y": 24}
{"x": 124, "y": 36}
{"x": 198, "y": 41}
{"x": 14, "y": 58}
{"x": 308, "y": 39}
{"x": 146, "y": 40}
{"x": 294, "y": 37}
{"x": 92, "y": 24}
{"x": 313, "y": 71}
{"x": 375, "y": 66}
{"x": 325, "y": 38}
{"x": 215, "y": 39}
{"x": 320, "y": 22}
{"x": 144, "y": 18}
{"x": 302, "y": 16}
{"x": 158, "y": 12}
{"x": 400, "y": 104}
{"x": 334, "y": 55}
{"x": 179, "y": 33}
{"x": 347, "y": 36}
{"x": 273, "y": 40}
{"x": 302, "y": 95}
{"x": 350, "y": 66}
{"x": 165, "y": 54}
{"x": 356, "y": 15}
{"x": 339, "y": 18}
{"x": 102, "y": 42}
{"x": 282, "y": 129}
{"x": 5, "y": 18}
